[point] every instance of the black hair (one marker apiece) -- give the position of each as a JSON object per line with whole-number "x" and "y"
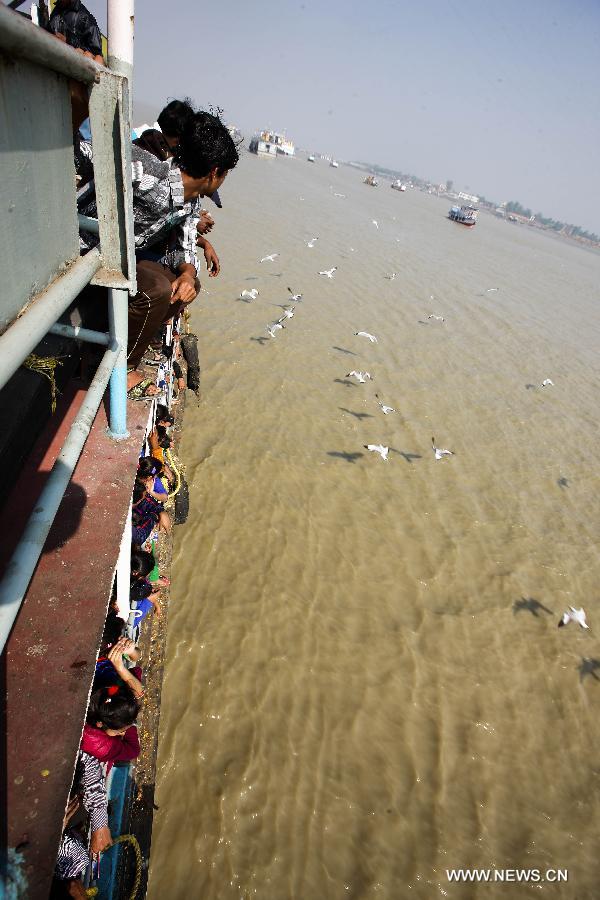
{"x": 113, "y": 630}
{"x": 139, "y": 491}
{"x": 142, "y": 563}
{"x": 138, "y": 590}
{"x": 205, "y": 144}
{"x": 164, "y": 441}
{"x": 152, "y": 141}
{"x": 174, "y": 116}
{"x": 114, "y": 708}
{"x": 163, "y": 414}
{"x": 149, "y": 465}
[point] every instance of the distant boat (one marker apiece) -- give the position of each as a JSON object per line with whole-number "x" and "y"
{"x": 371, "y": 180}
{"x": 398, "y": 186}
{"x": 310, "y": 158}
{"x": 466, "y": 215}
{"x": 333, "y": 164}
{"x": 271, "y": 143}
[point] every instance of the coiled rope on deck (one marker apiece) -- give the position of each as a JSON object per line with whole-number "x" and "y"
{"x": 45, "y": 365}
{"x": 172, "y": 465}
{"x": 123, "y": 839}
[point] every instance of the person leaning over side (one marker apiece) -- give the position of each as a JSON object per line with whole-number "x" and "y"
{"x": 171, "y": 122}
{"x": 163, "y": 195}
{"x": 163, "y": 142}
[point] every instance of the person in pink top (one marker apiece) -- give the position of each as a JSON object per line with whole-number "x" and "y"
{"x": 110, "y": 733}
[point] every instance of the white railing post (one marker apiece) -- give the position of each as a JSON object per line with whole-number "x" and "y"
{"x": 120, "y": 40}
{"x": 120, "y": 61}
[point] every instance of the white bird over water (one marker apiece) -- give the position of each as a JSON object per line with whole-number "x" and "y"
{"x": 384, "y": 409}
{"x": 575, "y": 615}
{"x": 439, "y": 318}
{"x": 249, "y": 295}
{"x": 547, "y": 382}
{"x": 312, "y": 242}
{"x": 270, "y": 258}
{"x": 375, "y": 223}
{"x": 378, "y": 448}
{"x": 491, "y": 290}
{"x": 274, "y": 328}
{"x": 438, "y": 452}
{"x": 360, "y": 376}
{"x": 366, "y": 334}
{"x": 343, "y": 196}
{"x": 287, "y": 314}
{"x": 329, "y": 272}
{"x": 295, "y": 297}
{"x": 392, "y": 276}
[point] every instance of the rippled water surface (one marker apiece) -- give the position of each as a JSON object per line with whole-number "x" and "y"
{"x": 365, "y": 683}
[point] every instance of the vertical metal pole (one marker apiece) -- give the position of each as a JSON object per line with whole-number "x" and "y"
{"x": 117, "y": 319}
{"x": 120, "y": 61}
{"x": 120, "y": 40}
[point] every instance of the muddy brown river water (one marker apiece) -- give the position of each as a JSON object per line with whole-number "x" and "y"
{"x": 365, "y": 683}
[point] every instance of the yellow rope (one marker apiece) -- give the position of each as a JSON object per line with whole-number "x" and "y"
{"x": 45, "y": 365}
{"x": 177, "y": 474}
{"x": 131, "y": 839}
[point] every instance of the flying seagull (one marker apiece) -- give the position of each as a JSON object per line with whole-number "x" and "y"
{"x": 375, "y": 223}
{"x": 491, "y": 290}
{"x": 378, "y": 448}
{"x": 392, "y": 276}
{"x": 575, "y": 615}
{"x": 343, "y": 196}
{"x": 547, "y": 382}
{"x": 312, "y": 242}
{"x": 366, "y": 334}
{"x": 439, "y": 318}
{"x": 295, "y": 297}
{"x": 287, "y": 314}
{"x": 360, "y": 376}
{"x": 438, "y": 452}
{"x": 269, "y": 258}
{"x": 384, "y": 409}
{"x": 329, "y": 272}
{"x": 274, "y": 328}
{"x": 249, "y": 295}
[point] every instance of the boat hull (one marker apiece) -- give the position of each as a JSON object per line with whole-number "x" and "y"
{"x": 467, "y": 222}
{"x": 464, "y": 215}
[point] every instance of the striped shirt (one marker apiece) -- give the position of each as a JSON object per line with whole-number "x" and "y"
{"x": 73, "y": 857}
{"x": 92, "y": 780}
{"x": 162, "y": 219}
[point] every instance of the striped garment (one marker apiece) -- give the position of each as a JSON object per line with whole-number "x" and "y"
{"x": 90, "y": 780}
{"x": 90, "y": 773}
{"x": 73, "y": 857}
{"x": 162, "y": 218}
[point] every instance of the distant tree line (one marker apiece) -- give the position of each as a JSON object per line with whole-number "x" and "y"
{"x": 553, "y": 224}
{"x": 512, "y": 207}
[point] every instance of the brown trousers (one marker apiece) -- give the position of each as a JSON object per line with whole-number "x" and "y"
{"x": 150, "y": 307}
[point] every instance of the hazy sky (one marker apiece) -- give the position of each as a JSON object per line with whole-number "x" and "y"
{"x": 501, "y": 97}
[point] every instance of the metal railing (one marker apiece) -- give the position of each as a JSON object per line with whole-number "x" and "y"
{"x": 36, "y": 57}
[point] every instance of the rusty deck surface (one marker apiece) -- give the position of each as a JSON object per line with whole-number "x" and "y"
{"x": 49, "y": 663}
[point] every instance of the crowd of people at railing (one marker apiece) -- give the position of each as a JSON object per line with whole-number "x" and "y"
{"x": 110, "y": 733}
{"x": 184, "y": 158}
